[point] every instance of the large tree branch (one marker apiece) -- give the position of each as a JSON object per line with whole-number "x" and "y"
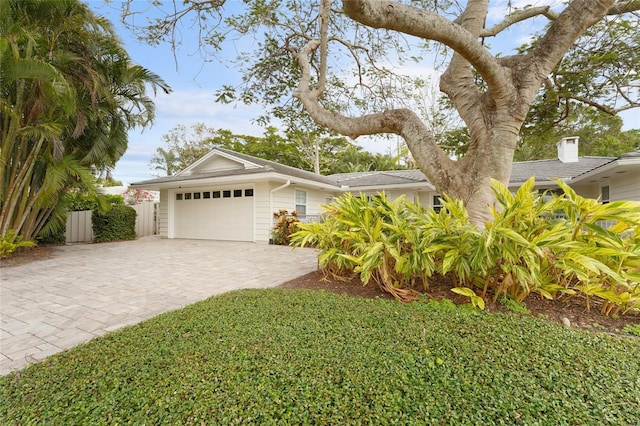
{"x": 524, "y": 14}
{"x": 519, "y": 16}
{"x": 624, "y": 7}
{"x": 564, "y": 31}
{"x": 604, "y": 108}
{"x": 403, "y": 122}
{"x": 459, "y": 83}
{"x": 325, "y": 11}
{"x": 430, "y": 26}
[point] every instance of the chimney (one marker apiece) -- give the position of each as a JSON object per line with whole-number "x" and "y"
{"x": 568, "y": 149}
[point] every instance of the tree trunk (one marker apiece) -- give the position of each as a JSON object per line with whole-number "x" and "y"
{"x": 492, "y": 111}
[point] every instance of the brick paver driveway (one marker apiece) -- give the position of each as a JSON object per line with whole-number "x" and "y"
{"x": 84, "y": 291}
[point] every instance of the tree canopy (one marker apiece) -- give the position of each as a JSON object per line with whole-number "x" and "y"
{"x": 68, "y": 97}
{"x": 348, "y": 65}
{"x": 317, "y": 153}
{"x": 600, "y": 134}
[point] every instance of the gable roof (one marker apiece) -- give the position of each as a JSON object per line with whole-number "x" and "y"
{"x": 279, "y": 168}
{"x": 250, "y": 165}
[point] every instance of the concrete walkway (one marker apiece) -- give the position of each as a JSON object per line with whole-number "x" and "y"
{"x": 84, "y": 291}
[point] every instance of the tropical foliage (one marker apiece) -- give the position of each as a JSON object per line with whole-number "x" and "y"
{"x": 561, "y": 245}
{"x": 68, "y": 97}
{"x": 10, "y": 242}
{"x": 286, "y": 224}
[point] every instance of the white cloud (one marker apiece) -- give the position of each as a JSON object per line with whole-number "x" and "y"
{"x": 181, "y": 107}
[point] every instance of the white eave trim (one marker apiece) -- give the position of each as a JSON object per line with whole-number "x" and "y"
{"x": 189, "y": 182}
{"x": 607, "y": 168}
{"x": 413, "y": 185}
{"x": 538, "y": 183}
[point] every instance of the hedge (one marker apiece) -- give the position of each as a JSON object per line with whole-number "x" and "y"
{"x": 119, "y": 223}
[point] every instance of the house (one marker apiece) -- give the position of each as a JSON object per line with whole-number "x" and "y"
{"x": 226, "y": 195}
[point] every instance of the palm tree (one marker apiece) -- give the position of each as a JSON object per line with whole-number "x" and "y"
{"x": 69, "y": 95}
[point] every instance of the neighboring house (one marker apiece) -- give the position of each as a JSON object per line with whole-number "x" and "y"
{"x": 226, "y": 195}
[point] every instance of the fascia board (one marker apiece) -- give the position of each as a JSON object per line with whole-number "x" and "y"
{"x": 189, "y": 182}
{"x": 420, "y": 185}
{"x": 607, "y": 168}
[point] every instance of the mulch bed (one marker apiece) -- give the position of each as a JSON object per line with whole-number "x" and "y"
{"x": 572, "y": 309}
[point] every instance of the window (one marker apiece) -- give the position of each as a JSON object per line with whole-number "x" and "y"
{"x": 237, "y": 193}
{"x": 437, "y": 203}
{"x": 301, "y": 203}
{"x": 215, "y": 194}
{"x": 604, "y": 195}
{"x": 206, "y": 194}
{"x": 178, "y": 197}
{"x": 196, "y": 195}
{"x": 226, "y": 194}
{"x": 187, "y": 195}
{"x": 248, "y": 192}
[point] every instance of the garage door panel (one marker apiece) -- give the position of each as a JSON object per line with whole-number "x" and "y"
{"x": 223, "y": 218}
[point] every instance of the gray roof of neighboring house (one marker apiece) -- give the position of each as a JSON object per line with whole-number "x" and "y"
{"x": 547, "y": 170}
{"x": 542, "y": 170}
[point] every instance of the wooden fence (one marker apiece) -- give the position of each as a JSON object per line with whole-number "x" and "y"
{"x": 79, "y": 226}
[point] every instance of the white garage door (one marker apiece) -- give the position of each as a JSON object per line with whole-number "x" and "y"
{"x": 224, "y": 213}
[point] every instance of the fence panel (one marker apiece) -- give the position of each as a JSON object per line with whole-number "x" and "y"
{"x": 145, "y": 218}
{"x": 79, "y": 229}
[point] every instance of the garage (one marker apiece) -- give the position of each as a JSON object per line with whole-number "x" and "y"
{"x": 214, "y": 213}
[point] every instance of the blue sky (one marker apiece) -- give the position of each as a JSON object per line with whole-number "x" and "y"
{"x": 192, "y": 99}
{"x": 194, "y": 83}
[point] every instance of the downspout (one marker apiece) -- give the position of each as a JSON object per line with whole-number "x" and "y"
{"x": 287, "y": 183}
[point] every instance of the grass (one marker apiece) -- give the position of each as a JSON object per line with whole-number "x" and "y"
{"x": 303, "y": 357}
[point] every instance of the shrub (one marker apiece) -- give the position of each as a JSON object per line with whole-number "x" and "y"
{"x": 379, "y": 239}
{"x": 555, "y": 247}
{"x": 118, "y": 223}
{"x": 80, "y": 201}
{"x": 285, "y": 226}
{"x": 57, "y": 235}
{"x": 10, "y": 242}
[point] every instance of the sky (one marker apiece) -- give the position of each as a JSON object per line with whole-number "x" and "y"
{"x": 194, "y": 83}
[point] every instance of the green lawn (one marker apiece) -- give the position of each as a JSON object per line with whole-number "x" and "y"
{"x": 303, "y": 357}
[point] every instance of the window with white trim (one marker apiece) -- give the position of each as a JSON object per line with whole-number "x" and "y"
{"x": 301, "y": 202}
